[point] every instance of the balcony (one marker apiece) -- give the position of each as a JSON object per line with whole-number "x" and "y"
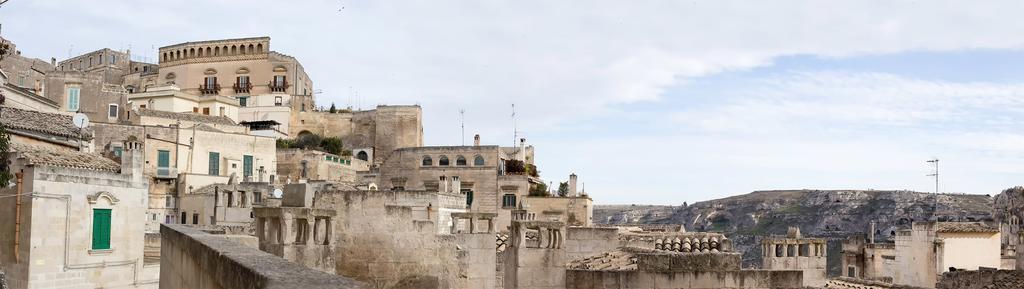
{"x": 166, "y": 173}
{"x": 207, "y": 89}
{"x": 276, "y": 86}
{"x": 242, "y": 87}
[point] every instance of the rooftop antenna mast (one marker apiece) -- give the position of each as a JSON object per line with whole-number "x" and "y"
{"x": 515, "y": 131}
{"x": 935, "y": 161}
{"x": 462, "y": 120}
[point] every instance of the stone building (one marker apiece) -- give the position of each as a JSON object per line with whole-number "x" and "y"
{"x": 52, "y": 130}
{"x": 795, "y": 252}
{"x": 171, "y": 98}
{"x": 227, "y": 206}
{"x": 186, "y": 152}
{"x": 388, "y": 239}
{"x": 296, "y": 164}
{"x": 74, "y": 220}
{"x": 264, "y": 84}
{"x": 371, "y": 135}
{"x": 25, "y": 98}
{"x": 921, "y": 253}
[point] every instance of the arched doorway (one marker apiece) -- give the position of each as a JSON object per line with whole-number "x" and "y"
{"x": 363, "y": 156}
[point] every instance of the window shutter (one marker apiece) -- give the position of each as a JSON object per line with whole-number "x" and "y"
{"x": 101, "y": 229}
{"x": 214, "y": 163}
{"x": 246, "y": 166}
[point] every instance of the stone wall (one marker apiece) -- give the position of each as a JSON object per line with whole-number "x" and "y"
{"x": 581, "y": 242}
{"x": 981, "y": 279}
{"x": 384, "y": 129}
{"x": 746, "y": 279}
{"x": 193, "y": 259}
{"x": 390, "y": 239}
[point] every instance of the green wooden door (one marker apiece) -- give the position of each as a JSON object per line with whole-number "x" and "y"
{"x": 247, "y": 166}
{"x": 163, "y": 159}
{"x": 101, "y": 229}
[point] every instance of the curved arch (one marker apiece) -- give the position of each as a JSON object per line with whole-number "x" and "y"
{"x": 170, "y": 75}
{"x": 106, "y": 195}
{"x": 363, "y": 156}
{"x": 251, "y": 48}
{"x": 234, "y": 49}
{"x": 304, "y": 133}
{"x": 478, "y": 160}
{"x": 165, "y": 56}
{"x": 427, "y": 161}
{"x": 259, "y": 48}
{"x": 210, "y": 71}
{"x": 192, "y": 53}
{"x": 443, "y": 161}
{"x": 460, "y": 160}
{"x": 216, "y": 51}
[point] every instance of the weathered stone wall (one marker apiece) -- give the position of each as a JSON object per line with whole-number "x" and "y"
{"x": 56, "y": 231}
{"x": 981, "y": 279}
{"x": 581, "y": 242}
{"x": 384, "y": 129}
{"x": 193, "y": 259}
{"x": 384, "y": 238}
{"x": 575, "y": 211}
{"x": 747, "y": 279}
{"x": 318, "y": 167}
{"x": 94, "y": 97}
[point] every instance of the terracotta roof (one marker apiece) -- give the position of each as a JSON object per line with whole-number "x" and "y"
{"x": 964, "y": 227}
{"x": 42, "y": 122}
{"x": 185, "y": 116}
{"x": 617, "y": 260}
{"x": 40, "y": 155}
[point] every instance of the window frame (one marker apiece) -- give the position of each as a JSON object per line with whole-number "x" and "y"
{"x": 101, "y": 220}
{"x": 214, "y": 164}
{"x": 113, "y": 108}
{"x": 74, "y": 94}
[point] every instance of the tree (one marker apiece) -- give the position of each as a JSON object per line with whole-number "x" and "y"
{"x": 307, "y": 141}
{"x": 539, "y": 190}
{"x": 332, "y": 144}
{"x": 563, "y": 189}
{"x": 333, "y": 109}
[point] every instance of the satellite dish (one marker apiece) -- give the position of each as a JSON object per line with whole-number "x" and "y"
{"x": 278, "y": 193}
{"x": 80, "y": 120}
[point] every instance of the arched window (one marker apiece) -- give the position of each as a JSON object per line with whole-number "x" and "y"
{"x": 363, "y": 156}
{"x": 250, "y": 48}
{"x": 165, "y": 56}
{"x": 443, "y": 161}
{"x": 427, "y": 161}
{"x": 259, "y": 48}
{"x": 234, "y": 49}
{"x": 478, "y": 160}
{"x": 192, "y": 53}
{"x": 216, "y": 50}
{"x": 460, "y": 161}
{"x": 208, "y": 50}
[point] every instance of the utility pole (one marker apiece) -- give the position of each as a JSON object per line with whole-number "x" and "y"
{"x": 515, "y": 133}
{"x": 935, "y": 174}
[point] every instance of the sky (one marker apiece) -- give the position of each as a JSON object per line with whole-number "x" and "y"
{"x": 649, "y": 102}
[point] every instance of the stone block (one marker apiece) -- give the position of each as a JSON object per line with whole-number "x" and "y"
{"x": 298, "y": 195}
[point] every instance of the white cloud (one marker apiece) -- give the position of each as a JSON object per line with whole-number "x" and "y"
{"x": 563, "y": 61}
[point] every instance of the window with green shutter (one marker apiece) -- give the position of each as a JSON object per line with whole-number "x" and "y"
{"x": 73, "y": 94}
{"x": 246, "y": 166}
{"x": 101, "y": 229}
{"x": 214, "y": 163}
{"x": 163, "y": 159}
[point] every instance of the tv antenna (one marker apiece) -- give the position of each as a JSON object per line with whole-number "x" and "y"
{"x": 515, "y": 131}
{"x": 462, "y": 120}
{"x": 935, "y": 161}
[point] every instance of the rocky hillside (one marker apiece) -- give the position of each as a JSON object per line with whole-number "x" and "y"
{"x": 833, "y": 214}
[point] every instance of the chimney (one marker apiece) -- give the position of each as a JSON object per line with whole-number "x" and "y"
{"x": 476, "y": 140}
{"x": 53, "y": 61}
{"x": 132, "y": 159}
{"x": 522, "y": 150}
{"x": 443, "y": 182}
{"x": 456, "y": 185}
{"x": 871, "y": 233}
{"x": 572, "y": 185}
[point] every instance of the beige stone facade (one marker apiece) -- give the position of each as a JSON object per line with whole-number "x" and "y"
{"x": 921, "y": 253}
{"x": 795, "y": 252}
{"x": 74, "y": 221}
{"x": 295, "y": 165}
{"x": 371, "y": 135}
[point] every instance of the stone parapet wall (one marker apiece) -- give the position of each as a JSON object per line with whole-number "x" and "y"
{"x": 194, "y": 259}
{"x": 747, "y": 279}
{"x": 987, "y": 278}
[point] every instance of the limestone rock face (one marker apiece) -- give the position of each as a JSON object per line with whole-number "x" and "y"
{"x": 832, "y": 214}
